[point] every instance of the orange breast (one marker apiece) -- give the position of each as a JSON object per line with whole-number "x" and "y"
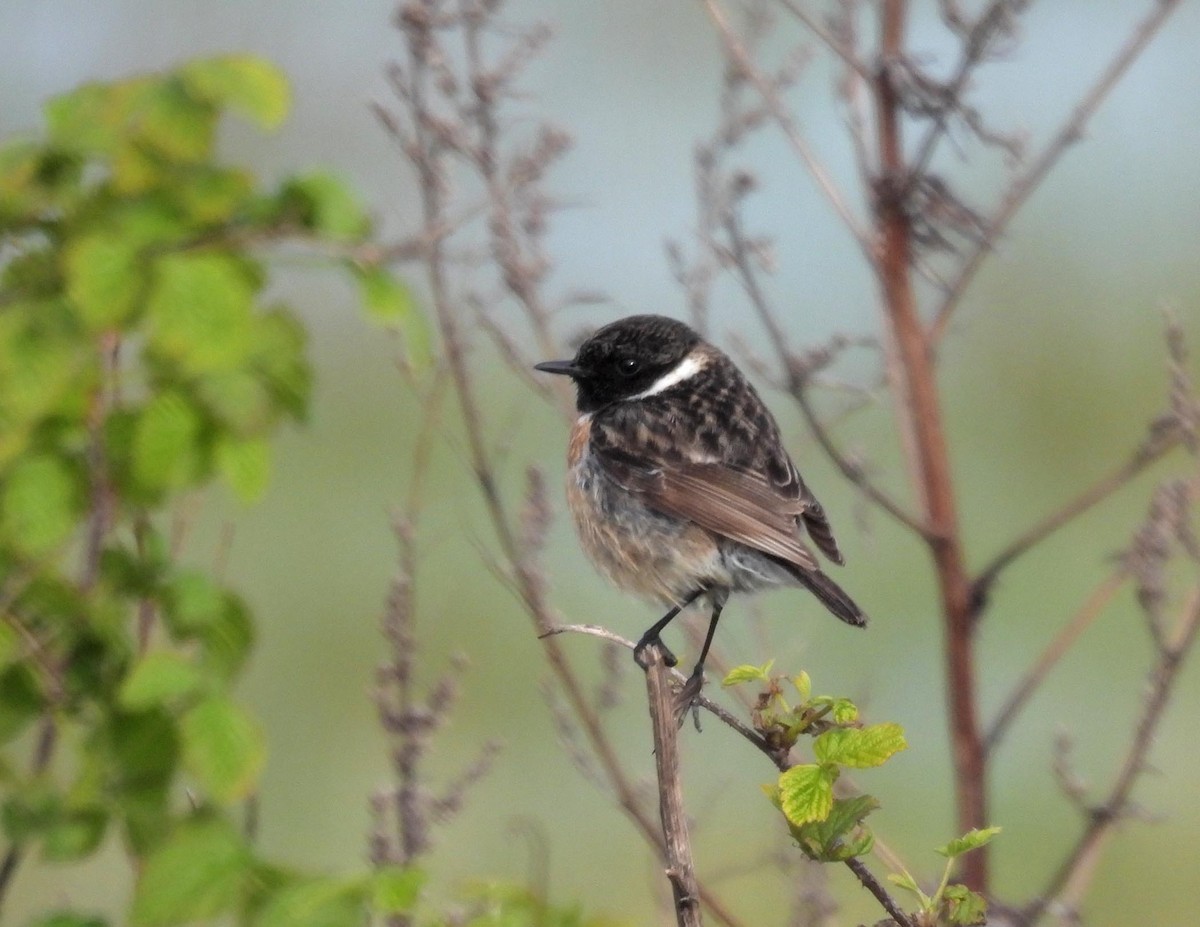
{"x": 580, "y": 432}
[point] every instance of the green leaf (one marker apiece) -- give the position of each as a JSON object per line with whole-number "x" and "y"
{"x": 326, "y": 902}
{"x": 29, "y": 811}
{"x": 158, "y": 678}
{"x": 213, "y": 194}
{"x": 200, "y": 309}
{"x": 145, "y": 749}
{"x": 806, "y": 793}
{"x": 227, "y": 641}
{"x": 104, "y": 279}
{"x": 747, "y": 673}
{"x": 223, "y": 747}
{"x": 193, "y": 602}
{"x": 166, "y": 443}
{"x": 90, "y": 118}
{"x": 386, "y": 298}
{"x": 197, "y": 874}
{"x": 76, "y": 834}
{"x": 280, "y": 342}
{"x": 390, "y": 301}
{"x": 838, "y": 837}
{"x": 964, "y": 907}
{"x": 251, "y": 86}
{"x": 859, "y": 747}
{"x": 971, "y": 840}
{"x": 239, "y": 400}
{"x": 844, "y": 711}
{"x": 40, "y": 504}
{"x": 173, "y": 124}
{"x": 245, "y": 466}
{"x": 395, "y": 890}
{"x": 21, "y": 700}
{"x": 198, "y": 609}
{"x": 803, "y": 685}
{"x": 323, "y": 203}
{"x": 903, "y": 880}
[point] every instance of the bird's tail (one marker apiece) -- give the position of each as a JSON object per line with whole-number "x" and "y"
{"x": 832, "y": 596}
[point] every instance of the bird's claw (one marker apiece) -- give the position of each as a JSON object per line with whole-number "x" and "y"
{"x": 639, "y": 651}
{"x": 687, "y": 697}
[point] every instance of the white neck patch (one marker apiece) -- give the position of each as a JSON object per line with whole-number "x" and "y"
{"x": 686, "y": 368}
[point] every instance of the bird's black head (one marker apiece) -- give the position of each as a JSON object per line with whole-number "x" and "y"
{"x": 625, "y": 359}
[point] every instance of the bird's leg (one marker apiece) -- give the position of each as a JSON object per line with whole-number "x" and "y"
{"x": 651, "y": 635}
{"x": 691, "y": 688}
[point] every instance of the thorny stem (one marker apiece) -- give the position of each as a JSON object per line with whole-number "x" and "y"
{"x": 894, "y": 262}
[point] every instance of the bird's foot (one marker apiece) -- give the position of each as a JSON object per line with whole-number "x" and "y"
{"x": 639, "y": 651}
{"x": 687, "y": 698}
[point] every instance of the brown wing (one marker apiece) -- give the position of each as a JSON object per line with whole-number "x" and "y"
{"x": 716, "y": 457}
{"x": 740, "y": 506}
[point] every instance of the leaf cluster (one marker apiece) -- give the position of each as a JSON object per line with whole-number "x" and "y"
{"x": 141, "y": 361}
{"x": 826, "y": 828}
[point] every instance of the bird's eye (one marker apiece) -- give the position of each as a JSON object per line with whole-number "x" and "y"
{"x": 629, "y": 366}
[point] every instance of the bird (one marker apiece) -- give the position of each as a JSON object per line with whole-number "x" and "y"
{"x": 679, "y": 483}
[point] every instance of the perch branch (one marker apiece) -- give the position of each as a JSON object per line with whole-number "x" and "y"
{"x": 681, "y": 870}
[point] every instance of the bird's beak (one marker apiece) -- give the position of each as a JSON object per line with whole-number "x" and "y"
{"x": 564, "y": 367}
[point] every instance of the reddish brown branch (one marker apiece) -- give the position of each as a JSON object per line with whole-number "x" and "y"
{"x": 932, "y": 463}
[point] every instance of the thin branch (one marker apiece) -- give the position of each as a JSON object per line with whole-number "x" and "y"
{"x": 828, "y": 39}
{"x": 1150, "y": 452}
{"x": 977, "y": 42}
{"x": 1023, "y": 186}
{"x": 1081, "y": 859}
{"x": 736, "y": 51}
{"x": 875, "y": 887}
{"x": 1033, "y": 678}
{"x": 797, "y": 383}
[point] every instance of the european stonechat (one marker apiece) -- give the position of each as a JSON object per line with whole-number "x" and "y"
{"x": 679, "y": 483}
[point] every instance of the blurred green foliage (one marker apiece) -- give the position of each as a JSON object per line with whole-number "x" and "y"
{"x": 139, "y": 363}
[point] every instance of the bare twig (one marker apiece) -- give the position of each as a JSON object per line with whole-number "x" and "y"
{"x": 798, "y": 380}
{"x": 1029, "y": 683}
{"x": 1068, "y": 882}
{"x": 681, "y": 870}
{"x": 1026, "y": 183}
{"x": 1157, "y": 446}
{"x": 736, "y": 51}
{"x": 828, "y": 38}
